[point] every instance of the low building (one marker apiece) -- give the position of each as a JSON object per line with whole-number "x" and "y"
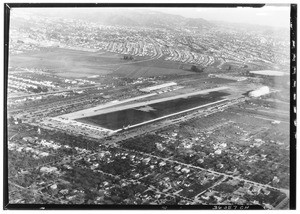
{"x": 259, "y": 92}
{"x": 157, "y": 87}
{"x": 269, "y": 73}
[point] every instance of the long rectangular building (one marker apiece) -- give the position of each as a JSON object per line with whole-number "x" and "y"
{"x": 156, "y": 87}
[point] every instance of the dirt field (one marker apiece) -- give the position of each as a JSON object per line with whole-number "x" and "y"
{"x": 68, "y": 63}
{"x": 135, "y": 71}
{"x": 78, "y": 64}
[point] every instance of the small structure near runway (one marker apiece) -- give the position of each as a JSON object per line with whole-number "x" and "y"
{"x": 269, "y": 73}
{"x": 259, "y": 92}
{"x": 157, "y": 87}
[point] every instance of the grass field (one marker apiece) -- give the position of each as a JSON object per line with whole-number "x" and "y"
{"x": 79, "y": 64}
{"x": 136, "y": 71}
{"x": 67, "y": 63}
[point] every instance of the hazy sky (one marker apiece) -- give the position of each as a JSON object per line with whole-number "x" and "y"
{"x": 277, "y": 16}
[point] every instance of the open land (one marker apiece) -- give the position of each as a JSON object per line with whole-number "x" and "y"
{"x": 77, "y": 64}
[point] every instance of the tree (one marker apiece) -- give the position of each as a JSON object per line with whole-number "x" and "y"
{"x": 11, "y": 120}
{"x": 125, "y": 57}
{"x": 194, "y": 68}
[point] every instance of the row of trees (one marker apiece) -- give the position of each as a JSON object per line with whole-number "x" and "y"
{"x": 128, "y": 57}
{"x": 39, "y": 89}
{"x": 196, "y": 69}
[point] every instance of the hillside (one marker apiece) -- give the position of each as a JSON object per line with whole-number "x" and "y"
{"x": 126, "y": 17}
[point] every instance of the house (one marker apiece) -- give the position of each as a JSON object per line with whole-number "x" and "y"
{"x": 162, "y": 163}
{"x": 64, "y": 191}
{"x": 44, "y": 154}
{"x": 235, "y": 198}
{"x": 235, "y": 172}
{"x": 241, "y": 201}
{"x": 218, "y": 152}
{"x": 178, "y": 167}
{"x": 66, "y": 160}
{"x": 27, "y": 149}
{"x": 166, "y": 178}
{"x": 200, "y": 160}
{"x": 54, "y": 189}
{"x": 208, "y": 194}
{"x": 219, "y": 199}
{"x": 266, "y": 192}
{"x": 29, "y": 139}
{"x": 233, "y": 182}
{"x": 105, "y": 183}
{"x": 185, "y": 170}
{"x": 210, "y": 177}
{"x": 48, "y": 169}
{"x": 240, "y": 191}
{"x": 146, "y": 160}
{"x": 220, "y": 166}
{"x": 223, "y": 145}
{"x": 255, "y": 202}
{"x": 94, "y": 166}
{"x": 256, "y": 189}
{"x": 136, "y": 175}
{"x": 268, "y": 206}
{"x": 247, "y": 185}
{"x": 276, "y": 179}
{"x": 67, "y": 166}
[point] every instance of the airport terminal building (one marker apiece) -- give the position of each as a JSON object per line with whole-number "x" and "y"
{"x": 157, "y": 87}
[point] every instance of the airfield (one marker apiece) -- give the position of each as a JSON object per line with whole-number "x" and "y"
{"x": 117, "y": 115}
{"x": 142, "y": 112}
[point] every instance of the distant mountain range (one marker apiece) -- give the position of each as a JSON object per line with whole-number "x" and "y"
{"x": 126, "y": 17}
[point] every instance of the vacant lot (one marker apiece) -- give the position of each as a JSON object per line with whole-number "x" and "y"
{"x": 136, "y": 71}
{"x": 67, "y": 63}
{"x": 78, "y": 64}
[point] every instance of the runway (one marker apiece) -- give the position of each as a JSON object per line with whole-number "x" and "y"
{"x": 109, "y": 107}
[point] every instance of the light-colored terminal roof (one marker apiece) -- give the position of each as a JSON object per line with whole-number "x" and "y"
{"x": 269, "y": 73}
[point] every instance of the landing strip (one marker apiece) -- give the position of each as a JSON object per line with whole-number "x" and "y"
{"x": 109, "y": 107}
{"x": 170, "y": 115}
{"x": 95, "y": 110}
{"x": 113, "y": 117}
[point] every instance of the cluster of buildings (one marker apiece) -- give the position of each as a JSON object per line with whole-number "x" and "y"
{"x": 76, "y": 127}
{"x": 35, "y": 147}
{"x": 166, "y": 178}
{"x": 23, "y": 83}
